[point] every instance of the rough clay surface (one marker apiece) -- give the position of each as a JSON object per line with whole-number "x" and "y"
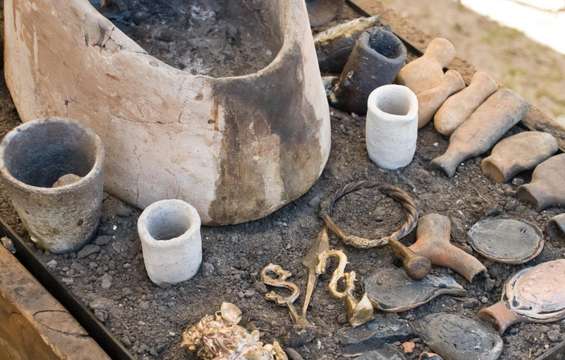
{"x": 198, "y": 36}
{"x": 110, "y": 277}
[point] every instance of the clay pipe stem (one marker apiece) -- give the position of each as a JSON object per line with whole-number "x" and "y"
{"x": 416, "y": 266}
{"x": 433, "y": 235}
{"x": 500, "y": 315}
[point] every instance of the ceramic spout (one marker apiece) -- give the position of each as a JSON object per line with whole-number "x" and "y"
{"x": 518, "y": 153}
{"x": 433, "y": 242}
{"x": 500, "y": 112}
{"x": 457, "y": 108}
{"x": 391, "y": 128}
{"x": 430, "y": 100}
{"x": 546, "y": 188}
{"x": 375, "y": 60}
{"x": 426, "y": 72}
{"x": 500, "y": 315}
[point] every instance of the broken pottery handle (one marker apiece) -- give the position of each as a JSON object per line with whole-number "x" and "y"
{"x": 500, "y": 315}
{"x": 416, "y": 266}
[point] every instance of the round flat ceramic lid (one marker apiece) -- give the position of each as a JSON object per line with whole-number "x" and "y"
{"x": 538, "y": 292}
{"x": 507, "y": 241}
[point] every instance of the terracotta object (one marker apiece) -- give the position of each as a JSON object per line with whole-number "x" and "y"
{"x": 391, "y": 290}
{"x": 321, "y": 12}
{"x": 457, "y": 108}
{"x": 431, "y": 99}
{"x": 391, "y": 128}
{"x": 457, "y": 337}
{"x": 169, "y": 231}
{"x": 433, "y": 235}
{"x": 556, "y": 227}
{"x": 426, "y": 72}
{"x": 375, "y": 61}
{"x": 518, "y": 153}
{"x": 507, "y": 241}
{"x": 500, "y": 112}
{"x": 334, "y": 45}
{"x": 546, "y": 188}
{"x": 248, "y": 144}
{"x": 534, "y": 294}
{"x": 35, "y": 156}
{"x": 536, "y": 119}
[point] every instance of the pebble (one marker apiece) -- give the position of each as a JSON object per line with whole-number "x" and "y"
{"x": 207, "y": 269}
{"x": 103, "y": 240}
{"x": 52, "y": 264}
{"x": 88, "y": 250}
{"x": 554, "y": 335}
{"x": 106, "y": 281}
{"x": 122, "y": 210}
{"x": 315, "y": 202}
{"x": 518, "y": 181}
{"x": 471, "y": 303}
{"x": 8, "y": 244}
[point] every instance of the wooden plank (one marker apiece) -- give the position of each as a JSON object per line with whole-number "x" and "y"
{"x": 33, "y": 325}
{"x": 535, "y": 119}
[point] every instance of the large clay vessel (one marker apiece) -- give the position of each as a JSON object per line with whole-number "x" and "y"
{"x": 237, "y": 148}
{"x": 500, "y": 112}
{"x": 546, "y": 188}
{"x": 518, "y": 153}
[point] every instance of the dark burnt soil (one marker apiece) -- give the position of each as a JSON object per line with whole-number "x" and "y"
{"x": 205, "y": 37}
{"x": 149, "y": 319}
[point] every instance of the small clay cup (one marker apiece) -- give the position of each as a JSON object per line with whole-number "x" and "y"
{"x": 33, "y": 158}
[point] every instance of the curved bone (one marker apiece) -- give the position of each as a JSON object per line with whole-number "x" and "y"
{"x": 433, "y": 234}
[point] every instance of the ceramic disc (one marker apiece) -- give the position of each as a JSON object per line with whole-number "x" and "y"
{"x": 507, "y": 241}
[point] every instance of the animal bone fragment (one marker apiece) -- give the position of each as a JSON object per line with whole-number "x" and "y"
{"x": 280, "y": 281}
{"x": 457, "y": 108}
{"x": 358, "y": 312}
{"x": 546, "y": 188}
{"x": 319, "y": 245}
{"x": 219, "y": 337}
{"x": 500, "y": 112}
{"x": 426, "y": 72}
{"x": 431, "y": 99}
{"x": 518, "y": 153}
{"x": 433, "y": 235}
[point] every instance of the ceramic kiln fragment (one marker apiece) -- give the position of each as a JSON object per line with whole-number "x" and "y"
{"x": 236, "y": 148}
{"x": 456, "y": 337}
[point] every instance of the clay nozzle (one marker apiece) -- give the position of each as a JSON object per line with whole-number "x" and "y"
{"x": 442, "y": 50}
{"x": 448, "y": 162}
{"x": 546, "y": 188}
{"x": 518, "y": 153}
{"x": 457, "y": 108}
{"x": 430, "y": 100}
{"x": 433, "y": 234}
{"x": 500, "y": 315}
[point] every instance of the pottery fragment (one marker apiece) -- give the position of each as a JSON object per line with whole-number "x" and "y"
{"x": 556, "y": 227}
{"x": 321, "y": 12}
{"x": 334, "y": 45}
{"x": 547, "y": 186}
{"x": 518, "y": 153}
{"x": 457, "y": 337}
{"x": 430, "y": 100}
{"x": 433, "y": 235}
{"x": 500, "y": 112}
{"x": 391, "y": 290}
{"x": 375, "y": 60}
{"x": 426, "y": 72}
{"x": 457, "y": 108}
{"x": 374, "y": 334}
{"x": 507, "y": 241}
{"x": 534, "y": 294}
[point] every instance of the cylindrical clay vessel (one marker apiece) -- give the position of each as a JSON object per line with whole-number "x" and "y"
{"x": 36, "y": 159}
{"x": 376, "y": 59}
{"x": 392, "y": 126}
{"x": 235, "y": 147}
{"x": 169, "y": 231}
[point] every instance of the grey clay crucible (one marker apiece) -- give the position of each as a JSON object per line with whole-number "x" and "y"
{"x": 37, "y": 159}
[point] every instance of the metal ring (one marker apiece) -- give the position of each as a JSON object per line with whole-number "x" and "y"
{"x": 408, "y": 206}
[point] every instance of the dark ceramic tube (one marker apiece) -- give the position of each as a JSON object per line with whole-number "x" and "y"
{"x": 37, "y": 159}
{"x": 375, "y": 60}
